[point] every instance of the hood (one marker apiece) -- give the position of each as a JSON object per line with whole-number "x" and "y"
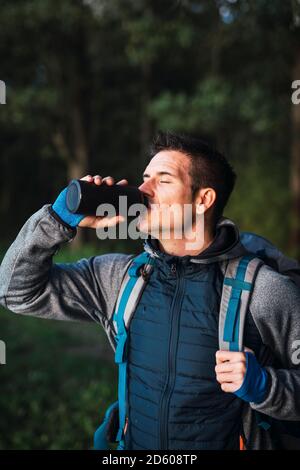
{"x": 226, "y": 245}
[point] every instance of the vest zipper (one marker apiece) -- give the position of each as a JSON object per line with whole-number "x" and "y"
{"x": 171, "y": 364}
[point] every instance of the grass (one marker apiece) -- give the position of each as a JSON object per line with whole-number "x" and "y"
{"x": 58, "y": 380}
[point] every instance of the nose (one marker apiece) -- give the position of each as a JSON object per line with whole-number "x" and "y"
{"x": 145, "y": 188}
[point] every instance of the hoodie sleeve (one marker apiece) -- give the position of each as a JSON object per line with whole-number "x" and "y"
{"x": 31, "y": 284}
{"x": 275, "y": 308}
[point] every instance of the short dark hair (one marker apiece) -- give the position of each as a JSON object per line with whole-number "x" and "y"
{"x": 209, "y": 168}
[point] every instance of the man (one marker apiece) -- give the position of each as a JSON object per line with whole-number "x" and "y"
{"x": 182, "y": 392}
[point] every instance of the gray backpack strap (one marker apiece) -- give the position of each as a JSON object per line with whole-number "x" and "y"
{"x": 132, "y": 287}
{"x": 239, "y": 278}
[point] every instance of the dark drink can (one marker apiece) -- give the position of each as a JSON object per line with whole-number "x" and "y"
{"x": 84, "y": 198}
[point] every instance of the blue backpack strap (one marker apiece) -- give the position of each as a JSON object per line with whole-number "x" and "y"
{"x": 238, "y": 284}
{"x": 130, "y": 293}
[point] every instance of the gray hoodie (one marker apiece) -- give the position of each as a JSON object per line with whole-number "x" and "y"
{"x": 87, "y": 290}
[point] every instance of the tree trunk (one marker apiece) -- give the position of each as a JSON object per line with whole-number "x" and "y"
{"x": 295, "y": 168}
{"x": 77, "y": 159}
{"x": 145, "y": 123}
{"x": 78, "y": 166}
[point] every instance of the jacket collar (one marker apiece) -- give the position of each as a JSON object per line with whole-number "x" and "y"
{"x": 226, "y": 245}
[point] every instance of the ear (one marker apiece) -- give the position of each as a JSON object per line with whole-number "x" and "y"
{"x": 206, "y": 197}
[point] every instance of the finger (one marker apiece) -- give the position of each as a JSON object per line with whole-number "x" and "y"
{"x": 97, "y": 179}
{"x": 108, "y": 180}
{"x": 230, "y": 388}
{"x": 224, "y": 367}
{"x": 231, "y": 356}
{"x": 236, "y": 367}
{"x": 87, "y": 178}
{"x": 123, "y": 182}
{"x": 230, "y": 377}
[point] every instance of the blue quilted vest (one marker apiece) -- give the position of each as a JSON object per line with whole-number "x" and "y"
{"x": 174, "y": 400}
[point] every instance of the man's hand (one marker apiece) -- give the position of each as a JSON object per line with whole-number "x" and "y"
{"x": 92, "y": 221}
{"x": 230, "y": 370}
{"x": 74, "y": 220}
{"x": 241, "y": 374}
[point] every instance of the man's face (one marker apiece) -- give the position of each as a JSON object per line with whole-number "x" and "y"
{"x": 167, "y": 183}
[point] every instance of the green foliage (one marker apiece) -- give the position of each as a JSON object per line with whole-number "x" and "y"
{"x": 113, "y": 72}
{"x": 260, "y": 204}
{"x": 203, "y": 111}
{"x": 144, "y": 44}
{"x": 257, "y": 111}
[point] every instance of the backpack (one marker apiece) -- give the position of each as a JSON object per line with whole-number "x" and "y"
{"x": 239, "y": 278}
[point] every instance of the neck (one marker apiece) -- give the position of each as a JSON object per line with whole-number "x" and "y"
{"x": 182, "y": 247}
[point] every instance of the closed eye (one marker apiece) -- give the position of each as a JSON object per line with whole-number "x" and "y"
{"x": 161, "y": 181}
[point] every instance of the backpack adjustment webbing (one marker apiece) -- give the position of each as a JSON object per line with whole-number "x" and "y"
{"x": 238, "y": 283}
{"x": 130, "y": 293}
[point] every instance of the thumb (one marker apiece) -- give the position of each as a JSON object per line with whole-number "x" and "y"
{"x": 103, "y": 222}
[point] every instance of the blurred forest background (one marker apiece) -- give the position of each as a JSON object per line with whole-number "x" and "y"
{"x": 88, "y": 84}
